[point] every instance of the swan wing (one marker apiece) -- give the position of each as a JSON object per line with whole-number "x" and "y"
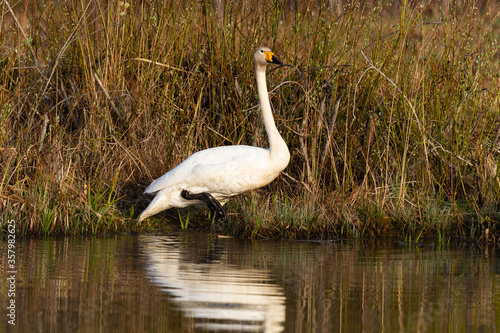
{"x": 246, "y": 170}
{"x": 216, "y": 165}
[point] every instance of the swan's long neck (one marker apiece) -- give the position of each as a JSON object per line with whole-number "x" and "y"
{"x": 277, "y": 145}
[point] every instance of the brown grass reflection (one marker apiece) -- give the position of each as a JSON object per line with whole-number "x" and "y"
{"x": 194, "y": 282}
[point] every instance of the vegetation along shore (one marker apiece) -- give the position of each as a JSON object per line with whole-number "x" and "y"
{"x": 390, "y": 112}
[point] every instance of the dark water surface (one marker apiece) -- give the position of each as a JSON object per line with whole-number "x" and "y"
{"x": 196, "y": 282}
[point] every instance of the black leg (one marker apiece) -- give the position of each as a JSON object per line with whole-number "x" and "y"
{"x": 212, "y": 204}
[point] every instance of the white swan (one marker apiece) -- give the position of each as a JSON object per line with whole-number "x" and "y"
{"x": 213, "y": 175}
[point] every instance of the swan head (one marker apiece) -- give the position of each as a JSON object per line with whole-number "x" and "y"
{"x": 264, "y": 56}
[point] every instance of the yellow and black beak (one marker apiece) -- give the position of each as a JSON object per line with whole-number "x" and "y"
{"x": 271, "y": 58}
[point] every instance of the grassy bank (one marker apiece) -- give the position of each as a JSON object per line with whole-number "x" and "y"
{"x": 391, "y": 114}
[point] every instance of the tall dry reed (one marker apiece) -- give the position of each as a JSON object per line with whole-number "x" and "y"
{"x": 390, "y": 112}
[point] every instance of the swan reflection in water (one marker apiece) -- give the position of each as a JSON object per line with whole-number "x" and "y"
{"x": 218, "y": 295}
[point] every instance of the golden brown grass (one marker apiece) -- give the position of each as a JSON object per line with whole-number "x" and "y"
{"x": 390, "y": 113}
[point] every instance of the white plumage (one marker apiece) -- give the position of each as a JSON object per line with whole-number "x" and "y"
{"x": 216, "y": 174}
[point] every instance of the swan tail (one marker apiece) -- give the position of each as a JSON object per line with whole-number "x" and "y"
{"x": 158, "y": 204}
